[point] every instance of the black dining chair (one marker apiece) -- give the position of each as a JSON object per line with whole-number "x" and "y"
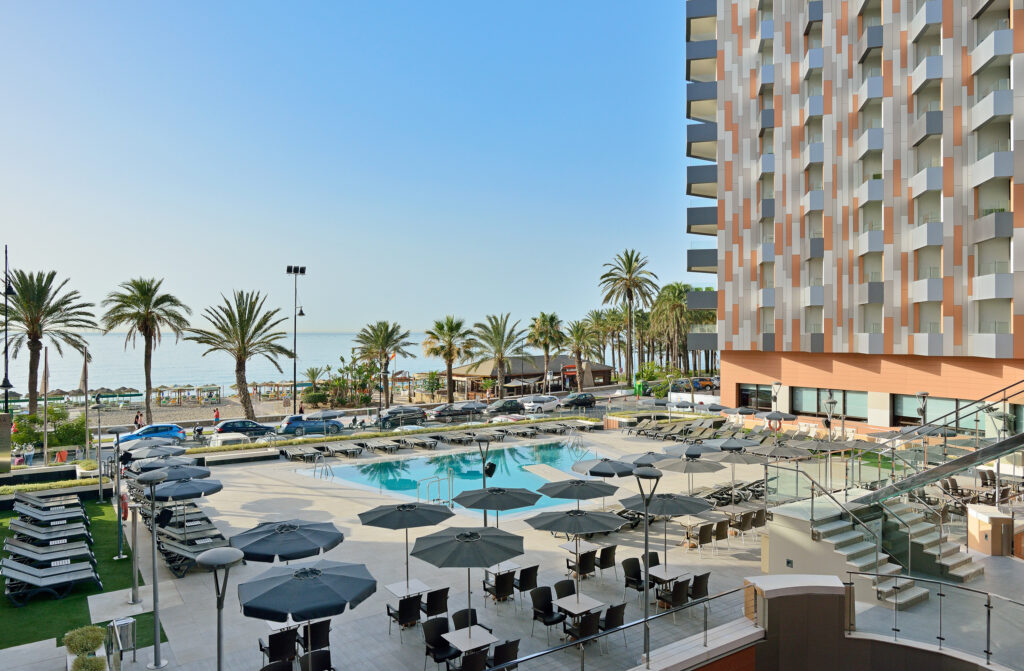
{"x": 614, "y": 617}
{"x": 406, "y": 615}
{"x": 721, "y": 534}
{"x": 606, "y": 559}
{"x": 280, "y": 646}
{"x": 699, "y": 586}
{"x": 502, "y": 588}
{"x": 282, "y": 665}
{"x": 504, "y": 653}
{"x": 675, "y": 597}
{"x": 315, "y": 636}
{"x": 467, "y": 618}
{"x": 437, "y": 648}
{"x": 318, "y": 660}
{"x": 655, "y": 559}
{"x": 544, "y": 611}
{"x": 435, "y": 602}
{"x": 564, "y": 588}
{"x": 634, "y": 577}
{"x": 588, "y": 625}
{"x": 705, "y": 535}
{"x": 527, "y": 580}
{"x": 471, "y": 661}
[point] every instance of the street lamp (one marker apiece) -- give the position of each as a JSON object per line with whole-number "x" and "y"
{"x": 776, "y": 388}
{"x": 8, "y": 292}
{"x": 99, "y": 444}
{"x": 295, "y": 271}
{"x": 830, "y": 408}
{"x": 922, "y": 402}
{"x": 151, "y": 479}
{"x": 649, "y": 476}
{"x": 215, "y": 560}
{"x": 117, "y": 431}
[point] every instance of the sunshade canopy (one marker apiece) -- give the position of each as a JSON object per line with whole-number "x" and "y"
{"x": 578, "y": 490}
{"x": 497, "y": 498}
{"x": 287, "y": 540}
{"x": 306, "y": 592}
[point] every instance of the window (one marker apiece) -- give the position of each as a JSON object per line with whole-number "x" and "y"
{"x": 852, "y": 405}
{"x": 905, "y": 412}
{"x": 756, "y": 396}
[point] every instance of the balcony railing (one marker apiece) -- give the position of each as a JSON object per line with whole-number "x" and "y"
{"x": 993, "y": 267}
{"x": 997, "y": 327}
{"x": 871, "y": 71}
{"x": 992, "y": 147}
{"x": 932, "y": 273}
{"x": 768, "y": 238}
{"x": 992, "y": 210}
{"x": 873, "y": 275}
{"x": 874, "y": 328}
{"x": 997, "y": 85}
{"x": 704, "y": 328}
{"x": 873, "y": 225}
{"x": 930, "y": 327}
{"x": 816, "y": 281}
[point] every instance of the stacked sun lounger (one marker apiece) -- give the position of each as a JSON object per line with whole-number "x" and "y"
{"x": 51, "y": 550}
{"x": 183, "y": 532}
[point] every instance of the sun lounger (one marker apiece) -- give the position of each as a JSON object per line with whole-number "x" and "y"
{"x": 303, "y": 452}
{"x": 580, "y": 425}
{"x": 639, "y": 426}
{"x": 180, "y": 557}
{"x": 50, "y": 517}
{"x": 388, "y": 446}
{"x": 194, "y": 531}
{"x": 46, "y": 555}
{"x": 418, "y": 441}
{"x": 521, "y": 431}
{"x": 48, "y": 502}
{"x": 48, "y": 535}
{"x": 458, "y": 438}
{"x": 22, "y": 585}
{"x": 552, "y": 427}
{"x": 345, "y": 449}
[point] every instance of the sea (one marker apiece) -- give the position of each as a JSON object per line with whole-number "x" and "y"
{"x": 182, "y": 362}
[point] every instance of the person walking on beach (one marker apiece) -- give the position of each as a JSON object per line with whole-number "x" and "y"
{"x": 216, "y": 415}
{"x": 302, "y": 411}
{"x": 138, "y": 421}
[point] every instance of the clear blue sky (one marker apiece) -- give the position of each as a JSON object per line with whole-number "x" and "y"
{"x": 420, "y": 158}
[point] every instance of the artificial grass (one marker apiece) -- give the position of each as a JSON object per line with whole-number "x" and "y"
{"x": 44, "y": 617}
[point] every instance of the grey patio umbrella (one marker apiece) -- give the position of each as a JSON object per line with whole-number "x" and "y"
{"x": 715, "y": 407}
{"x": 683, "y": 404}
{"x": 691, "y": 450}
{"x": 469, "y": 548}
{"x": 183, "y": 490}
{"x": 688, "y": 466}
{"x": 733, "y": 458}
{"x": 578, "y": 490}
{"x": 181, "y": 472}
{"x": 156, "y": 451}
{"x": 405, "y": 516}
{"x": 776, "y": 416}
{"x": 644, "y": 458}
{"x": 156, "y": 463}
{"x": 739, "y": 411}
{"x": 287, "y": 540}
{"x": 603, "y": 468}
{"x": 668, "y": 505}
{"x": 731, "y": 443}
{"x": 780, "y": 452}
{"x": 574, "y": 523}
{"x": 811, "y": 445}
{"x": 497, "y": 499}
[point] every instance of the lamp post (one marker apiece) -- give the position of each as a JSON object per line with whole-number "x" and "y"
{"x": 215, "y": 560}
{"x": 776, "y": 388}
{"x": 8, "y": 291}
{"x": 99, "y": 444}
{"x": 649, "y": 476}
{"x": 295, "y": 271}
{"x": 117, "y": 493}
{"x": 922, "y": 409}
{"x": 152, "y": 479}
{"x": 830, "y": 407}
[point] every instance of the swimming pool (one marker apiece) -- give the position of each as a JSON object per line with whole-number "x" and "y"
{"x": 401, "y": 476}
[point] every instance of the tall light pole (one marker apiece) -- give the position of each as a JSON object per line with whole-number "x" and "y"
{"x": 295, "y": 271}
{"x": 8, "y": 292}
{"x": 99, "y": 444}
{"x": 151, "y": 479}
{"x": 922, "y": 402}
{"x": 830, "y": 408}
{"x": 215, "y": 560}
{"x": 649, "y": 476}
{"x": 117, "y": 493}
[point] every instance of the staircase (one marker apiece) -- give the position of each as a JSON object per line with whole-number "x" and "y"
{"x": 931, "y": 553}
{"x": 857, "y": 548}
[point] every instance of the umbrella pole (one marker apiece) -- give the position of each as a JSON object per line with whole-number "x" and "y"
{"x": 469, "y": 602}
{"x": 577, "y": 566}
{"x": 407, "y": 558}
{"x": 733, "y": 483}
{"x": 666, "y": 542}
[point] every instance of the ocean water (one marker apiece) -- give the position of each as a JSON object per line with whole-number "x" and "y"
{"x": 182, "y": 362}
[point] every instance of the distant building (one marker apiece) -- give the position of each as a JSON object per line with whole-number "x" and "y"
{"x": 525, "y": 374}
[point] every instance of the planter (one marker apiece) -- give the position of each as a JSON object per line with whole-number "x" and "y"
{"x": 82, "y": 473}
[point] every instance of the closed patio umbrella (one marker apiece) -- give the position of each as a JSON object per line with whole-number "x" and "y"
{"x": 405, "y": 516}
{"x": 156, "y": 463}
{"x": 497, "y": 499}
{"x": 287, "y": 540}
{"x": 668, "y": 505}
{"x": 574, "y": 523}
{"x": 180, "y": 472}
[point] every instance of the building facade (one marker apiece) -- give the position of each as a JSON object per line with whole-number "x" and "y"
{"x": 857, "y": 161}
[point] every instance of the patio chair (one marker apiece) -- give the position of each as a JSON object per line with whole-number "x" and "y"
{"x": 315, "y": 636}
{"x": 435, "y": 603}
{"x": 527, "y": 580}
{"x": 705, "y": 535}
{"x": 504, "y": 653}
{"x": 587, "y": 564}
{"x": 744, "y": 524}
{"x": 699, "y": 586}
{"x": 564, "y": 588}
{"x": 634, "y": 577}
{"x": 544, "y": 611}
{"x": 317, "y": 660}
{"x": 406, "y": 615}
{"x": 655, "y": 559}
{"x": 280, "y": 646}
{"x": 588, "y": 625}
{"x": 721, "y": 534}
{"x": 614, "y": 617}
{"x": 675, "y": 597}
{"x": 502, "y": 588}
{"x": 471, "y": 661}
{"x": 467, "y": 618}
{"x": 606, "y": 559}
{"x": 437, "y": 648}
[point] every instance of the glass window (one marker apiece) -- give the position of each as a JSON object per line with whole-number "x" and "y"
{"x": 812, "y": 401}
{"x": 756, "y": 396}
{"x": 857, "y": 405}
{"x": 804, "y": 401}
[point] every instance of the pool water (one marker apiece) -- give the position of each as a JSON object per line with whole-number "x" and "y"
{"x": 401, "y": 476}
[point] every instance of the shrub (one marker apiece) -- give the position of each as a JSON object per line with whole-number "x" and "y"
{"x": 89, "y": 664}
{"x": 314, "y": 397}
{"x": 84, "y": 640}
{"x": 46, "y": 486}
{"x": 87, "y": 464}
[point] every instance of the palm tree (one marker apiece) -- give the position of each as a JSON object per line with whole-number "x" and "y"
{"x": 42, "y": 308}
{"x": 381, "y": 342}
{"x": 628, "y": 281}
{"x": 314, "y": 374}
{"x": 598, "y": 320}
{"x": 449, "y": 339}
{"x": 580, "y": 341}
{"x": 496, "y": 339}
{"x": 145, "y": 311}
{"x": 670, "y": 311}
{"x": 242, "y": 329}
{"x": 546, "y": 333}
{"x": 614, "y": 325}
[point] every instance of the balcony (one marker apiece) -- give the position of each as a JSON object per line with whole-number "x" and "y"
{"x": 702, "y": 141}
{"x": 817, "y": 342}
{"x": 997, "y": 165}
{"x": 766, "y": 297}
{"x": 702, "y": 300}
{"x": 702, "y": 61}
{"x": 991, "y": 345}
{"x": 870, "y": 242}
{"x": 766, "y": 251}
{"x": 767, "y": 342}
{"x": 927, "y": 125}
{"x": 816, "y": 246}
{"x": 766, "y": 30}
{"x": 698, "y": 340}
{"x": 871, "y": 191}
{"x": 928, "y": 234}
{"x": 702, "y": 180}
{"x": 976, "y": 7}
{"x": 928, "y": 344}
{"x": 814, "y": 153}
{"x": 870, "y": 343}
{"x": 765, "y": 78}
{"x": 767, "y": 119}
{"x": 929, "y": 179}
{"x": 813, "y": 295}
{"x": 990, "y": 226}
{"x": 996, "y": 106}
{"x": 928, "y": 70}
{"x": 702, "y": 101}
{"x": 701, "y": 18}
{"x": 813, "y": 201}
{"x": 871, "y": 139}
{"x": 813, "y": 60}
{"x": 767, "y": 208}
{"x": 702, "y": 260}
{"x": 872, "y": 38}
{"x": 926, "y": 290}
{"x": 815, "y": 12}
{"x": 767, "y": 164}
{"x": 994, "y": 280}
{"x": 873, "y": 88}
{"x": 702, "y": 220}
{"x": 995, "y": 49}
{"x": 871, "y": 293}
{"x": 928, "y": 17}
{"x": 815, "y": 107}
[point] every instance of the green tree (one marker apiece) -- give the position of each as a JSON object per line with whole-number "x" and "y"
{"x": 243, "y": 329}
{"x": 42, "y": 308}
{"x": 141, "y": 307}
{"x": 580, "y": 341}
{"x": 598, "y": 320}
{"x": 313, "y": 375}
{"x": 496, "y": 339}
{"x": 627, "y": 281}
{"x": 380, "y": 342}
{"x": 546, "y": 334}
{"x": 449, "y": 339}
{"x": 671, "y": 313}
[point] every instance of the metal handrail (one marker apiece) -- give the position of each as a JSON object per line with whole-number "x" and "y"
{"x": 937, "y": 513}
{"x": 910, "y": 540}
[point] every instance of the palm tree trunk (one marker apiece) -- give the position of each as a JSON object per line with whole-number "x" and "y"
{"x": 547, "y": 362}
{"x": 34, "y": 348}
{"x": 449, "y": 380}
{"x": 629, "y": 341}
{"x": 243, "y": 390}
{"x": 579, "y": 371}
{"x": 385, "y": 384}
{"x": 147, "y": 365}
{"x": 501, "y": 377}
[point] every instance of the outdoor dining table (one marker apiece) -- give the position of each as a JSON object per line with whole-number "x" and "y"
{"x": 584, "y": 546}
{"x": 688, "y": 522}
{"x": 664, "y": 574}
{"x": 502, "y": 567}
{"x": 736, "y": 510}
{"x": 401, "y": 589}
{"x": 469, "y": 638}
{"x": 578, "y": 604}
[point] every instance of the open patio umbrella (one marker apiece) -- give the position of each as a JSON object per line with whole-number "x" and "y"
{"x": 667, "y": 505}
{"x": 691, "y": 450}
{"x": 184, "y": 490}
{"x": 156, "y": 463}
{"x": 731, "y": 443}
{"x": 574, "y": 523}
{"x": 643, "y": 458}
{"x": 780, "y": 451}
{"x": 739, "y": 411}
{"x": 405, "y": 516}
{"x": 182, "y": 472}
{"x": 733, "y": 458}
{"x": 579, "y": 490}
{"x": 715, "y": 407}
{"x": 468, "y": 548}
{"x": 603, "y": 468}
{"x": 287, "y": 540}
{"x": 688, "y": 466}
{"x": 156, "y": 451}
{"x": 497, "y": 499}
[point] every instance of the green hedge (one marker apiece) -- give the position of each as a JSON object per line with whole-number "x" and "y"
{"x": 44, "y": 486}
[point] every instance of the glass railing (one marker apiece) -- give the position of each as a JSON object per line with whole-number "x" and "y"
{"x": 930, "y": 327}
{"x": 816, "y": 281}
{"x": 703, "y": 328}
{"x": 987, "y": 29}
{"x": 992, "y": 147}
{"x": 873, "y": 225}
{"x": 985, "y": 89}
{"x": 985, "y": 211}
{"x": 767, "y": 239}
{"x": 932, "y": 273}
{"x": 993, "y": 267}
{"x": 817, "y": 232}
{"x": 994, "y": 327}
{"x": 928, "y": 218}
{"x": 874, "y": 329}
{"x": 872, "y": 71}
{"x": 813, "y": 139}
{"x": 873, "y": 276}
{"x": 768, "y": 284}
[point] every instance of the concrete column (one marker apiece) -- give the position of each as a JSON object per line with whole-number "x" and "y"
{"x": 879, "y": 408}
{"x": 784, "y": 398}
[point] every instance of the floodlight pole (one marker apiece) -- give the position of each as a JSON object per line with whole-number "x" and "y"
{"x": 922, "y": 400}
{"x": 153, "y": 478}
{"x": 295, "y": 271}
{"x": 215, "y": 560}
{"x": 651, "y": 475}
{"x": 830, "y": 407}
{"x": 118, "y": 504}
{"x": 8, "y": 291}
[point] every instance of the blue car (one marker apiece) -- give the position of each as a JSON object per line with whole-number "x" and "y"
{"x": 297, "y": 425}
{"x": 171, "y": 431}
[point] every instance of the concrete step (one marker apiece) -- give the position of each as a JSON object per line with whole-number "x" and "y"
{"x": 845, "y": 538}
{"x": 866, "y": 562}
{"x": 943, "y": 549}
{"x": 832, "y": 527}
{"x": 855, "y": 550}
{"x": 889, "y": 568}
{"x": 966, "y": 572}
{"x": 906, "y": 597}
{"x": 929, "y": 539}
{"x": 953, "y": 561}
{"x": 921, "y": 530}
{"x": 887, "y": 587}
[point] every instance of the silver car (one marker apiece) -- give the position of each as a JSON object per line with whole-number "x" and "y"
{"x": 539, "y": 403}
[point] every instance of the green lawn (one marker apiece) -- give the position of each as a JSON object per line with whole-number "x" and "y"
{"x": 44, "y": 617}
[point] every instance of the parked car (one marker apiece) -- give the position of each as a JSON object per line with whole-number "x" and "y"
{"x": 703, "y": 383}
{"x": 504, "y": 406}
{"x": 297, "y": 425}
{"x": 326, "y": 414}
{"x": 246, "y": 427}
{"x": 450, "y": 412}
{"x": 539, "y": 403}
{"x": 578, "y": 400}
{"x": 399, "y": 415}
{"x": 170, "y": 431}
